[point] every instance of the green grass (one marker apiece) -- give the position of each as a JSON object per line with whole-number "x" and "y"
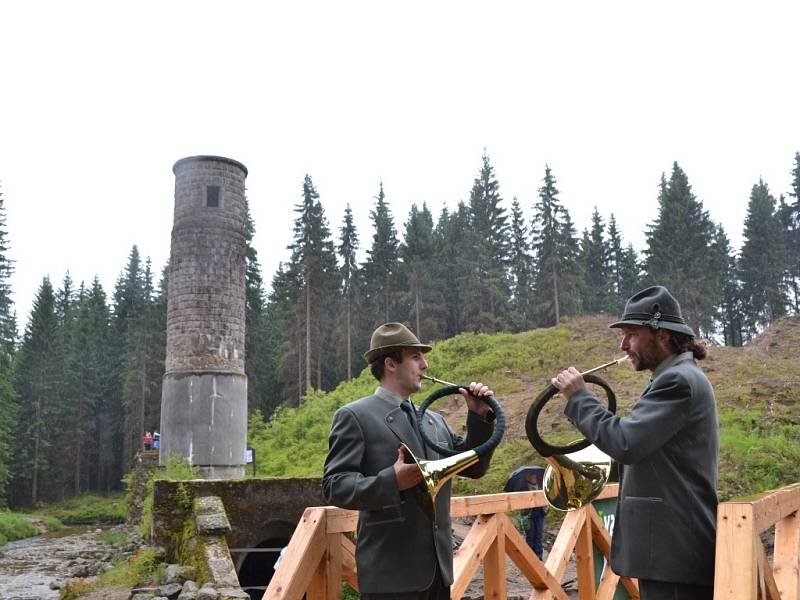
{"x": 759, "y": 406}
{"x": 90, "y": 509}
{"x": 142, "y": 568}
{"x": 17, "y": 526}
{"x": 176, "y": 468}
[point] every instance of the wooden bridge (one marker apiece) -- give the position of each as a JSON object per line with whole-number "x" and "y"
{"x": 320, "y": 554}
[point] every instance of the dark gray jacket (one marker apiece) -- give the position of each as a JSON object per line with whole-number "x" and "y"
{"x": 665, "y": 525}
{"x": 398, "y": 546}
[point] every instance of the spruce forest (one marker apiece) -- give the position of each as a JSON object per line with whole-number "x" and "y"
{"x": 82, "y": 384}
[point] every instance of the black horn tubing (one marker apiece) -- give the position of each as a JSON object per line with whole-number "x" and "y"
{"x": 482, "y": 450}
{"x": 532, "y": 420}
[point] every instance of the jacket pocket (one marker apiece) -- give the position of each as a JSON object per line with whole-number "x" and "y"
{"x": 639, "y": 517}
{"x": 392, "y": 514}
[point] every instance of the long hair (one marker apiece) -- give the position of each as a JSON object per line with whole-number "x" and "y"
{"x": 682, "y": 342}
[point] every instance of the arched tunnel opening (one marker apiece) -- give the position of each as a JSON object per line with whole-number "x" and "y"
{"x": 258, "y": 566}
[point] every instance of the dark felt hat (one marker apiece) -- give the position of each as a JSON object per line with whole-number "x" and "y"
{"x": 390, "y": 337}
{"x": 655, "y": 308}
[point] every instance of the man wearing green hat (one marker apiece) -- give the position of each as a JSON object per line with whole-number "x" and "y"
{"x": 400, "y": 552}
{"x": 668, "y": 447}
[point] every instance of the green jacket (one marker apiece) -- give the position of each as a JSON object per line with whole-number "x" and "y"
{"x": 397, "y": 546}
{"x": 665, "y": 525}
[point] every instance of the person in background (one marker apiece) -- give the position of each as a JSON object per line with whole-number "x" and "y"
{"x": 148, "y": 440}
{"x": 535, "y": 532}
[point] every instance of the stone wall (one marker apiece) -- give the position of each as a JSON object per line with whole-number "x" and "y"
{"x": 257, "y": 509}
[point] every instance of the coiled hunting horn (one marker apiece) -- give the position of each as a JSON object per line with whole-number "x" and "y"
{"x": 575, "y": 473}
{"x": 436, "y": 473}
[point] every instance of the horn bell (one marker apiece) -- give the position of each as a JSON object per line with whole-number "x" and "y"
{"x": 571, "y": 481}
{"x": 436, "y": 473}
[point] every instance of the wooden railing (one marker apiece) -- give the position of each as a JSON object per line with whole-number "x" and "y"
{"x": 320, "y": 556}
{"x": 742, "y": 567}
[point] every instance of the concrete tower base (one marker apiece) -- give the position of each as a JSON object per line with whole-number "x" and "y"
{"x": 206, "y": 421}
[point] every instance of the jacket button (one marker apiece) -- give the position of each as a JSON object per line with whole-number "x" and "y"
{"x": 390, "y": 419}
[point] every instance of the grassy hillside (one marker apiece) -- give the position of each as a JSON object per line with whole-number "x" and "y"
{"x": 757, "y": 388}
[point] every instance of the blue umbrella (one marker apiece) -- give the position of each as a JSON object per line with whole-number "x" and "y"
{"x": 518, "y": 480}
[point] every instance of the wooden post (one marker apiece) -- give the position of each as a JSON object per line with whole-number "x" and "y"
{"x": 584, "y": 561}
{"x": 736, "y": 570}
{"x": 785, "y": 559}
{"x": 494, "y": 564}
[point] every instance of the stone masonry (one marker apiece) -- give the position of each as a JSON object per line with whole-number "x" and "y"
{"x": 204, "y": 398}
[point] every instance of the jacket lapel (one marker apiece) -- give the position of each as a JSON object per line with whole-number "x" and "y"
{"x": 397, "y": 421}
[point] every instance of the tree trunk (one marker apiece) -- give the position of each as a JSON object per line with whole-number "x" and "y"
{"x": 142, "y": 401}
{"x": 349, "y": 348}
{"x": 36, "y": 443}
{"x": 308, "y": 336}
{"x": 555, "y": 295}
{"x": 416, "y": 312}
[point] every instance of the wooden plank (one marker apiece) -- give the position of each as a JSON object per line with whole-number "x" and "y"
{"x": 608, "y": 584}
{"x": 349, "y": 570}
{"x": 341, "y": 520}
{"x": 584, "y": 561}
{"x": 317, "y": 587}
{"x": 770, "y": 507}
{"x": 494, "y": 563}
{"x": 528, "y": 563}
{"x": 299, "y": 562}
{"x": 469, "y": 555}
{"x": 736, "y": 573}
{"x": 562, "y": 549}
{"x": 768, "y": 587}
{"x": 464, "y": 506}
{"x": 786, "y": 556}
{"x": 602, "y": 540}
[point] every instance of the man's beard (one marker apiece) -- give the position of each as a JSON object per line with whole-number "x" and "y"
{"x": 649, "y": 357}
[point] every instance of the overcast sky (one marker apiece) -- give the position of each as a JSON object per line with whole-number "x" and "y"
{"x": 99, "y": 99}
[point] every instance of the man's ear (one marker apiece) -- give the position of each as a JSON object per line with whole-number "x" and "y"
{"x": 664, "y": 340}
{"x": 389, "y": 364}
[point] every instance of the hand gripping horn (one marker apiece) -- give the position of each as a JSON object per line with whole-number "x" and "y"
{"x": 577, "y": 472}
{"x": 436, "y": 473}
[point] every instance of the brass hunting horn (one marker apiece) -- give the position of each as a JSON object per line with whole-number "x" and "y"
{"x": 436, "y": 473}
{"x": 577, "y": 472}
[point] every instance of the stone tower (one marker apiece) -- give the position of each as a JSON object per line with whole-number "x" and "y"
{"x": 204, "y": 398}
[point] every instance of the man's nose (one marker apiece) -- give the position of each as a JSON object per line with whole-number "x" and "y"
{"x": 424, "y": 364}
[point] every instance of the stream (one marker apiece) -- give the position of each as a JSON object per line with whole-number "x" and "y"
{"x": 34, "y": 568}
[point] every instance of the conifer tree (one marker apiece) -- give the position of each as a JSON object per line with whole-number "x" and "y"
{"x": 624, "y": 269}
{"x": 680, "y": 252}
{"x": 426, "y": 312}
{"x": 8, "y": 337}
{"x": 731, "y": 310}
{"x": 555, "y": 252}
{"x": 521, "y": 266}
{"x": 486, "y": 303}
{"x": 791, "y": 220}
{"x": 453, "y": 265}
{"x": 37, "y": 385}
{"x": 313, "y": 266}
{"x": 762, "y": 262}
{"x": 349, "y": 272}
{"x": 92, "y": 341}
{"x": 597, "y": 283}
{"x": 381, "y": 268}
{"x": 258, "y": 346}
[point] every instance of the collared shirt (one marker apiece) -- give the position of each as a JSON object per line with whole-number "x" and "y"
{"x": 382, "y": 392}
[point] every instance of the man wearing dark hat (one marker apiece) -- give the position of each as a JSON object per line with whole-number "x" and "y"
{"x": 668, "y": 446}
{"x": 400, "y": 552}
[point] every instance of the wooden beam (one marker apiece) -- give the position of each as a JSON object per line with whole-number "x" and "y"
{"x": 521, "y": 553}
{"x": 349, "y": 570}
{"x": 602, "y": 540}
{"x": 341, "y": 520}
{"x": 736, "y": 572}
{"x": 771, "y": 507}
{"x": 466, "y": 506}
{"x": 786, "y": 556}
{"x": 562, "y": 549}
{"x": 302, "y": 556}
{"x": 472, "y": 550}
{"x": 768, "y": 587}
{"x": 494, "y": 563}
{"x": 584, "y": 560}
